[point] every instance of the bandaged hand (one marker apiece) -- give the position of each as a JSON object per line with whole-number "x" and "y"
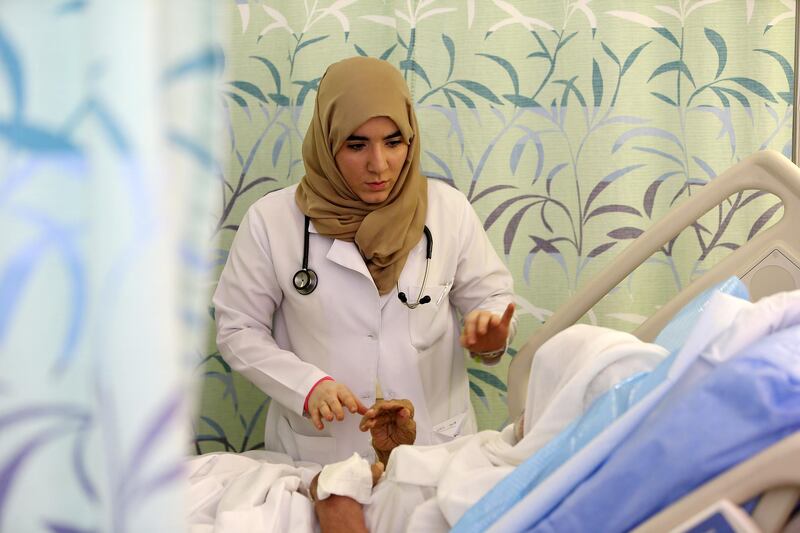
{"x": 339, "y": 492}
{"x": 391, "y": 423}
{"x": 485, "y": 331}
{"x": 376, "y": 470}
{"x": 329, "y": 399}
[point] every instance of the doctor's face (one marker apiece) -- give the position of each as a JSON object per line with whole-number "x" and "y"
{"x": 371, "y": 159}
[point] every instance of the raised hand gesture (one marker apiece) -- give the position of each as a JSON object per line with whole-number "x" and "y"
{"x": 485, "y": 331}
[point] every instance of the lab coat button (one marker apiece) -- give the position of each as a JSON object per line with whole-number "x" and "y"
{"x": 370, "y": 336}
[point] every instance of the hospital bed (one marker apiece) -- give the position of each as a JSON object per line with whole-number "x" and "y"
{"x": 767, "y": 264}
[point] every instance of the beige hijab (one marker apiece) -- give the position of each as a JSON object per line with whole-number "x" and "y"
{"x": 350, "y": 93}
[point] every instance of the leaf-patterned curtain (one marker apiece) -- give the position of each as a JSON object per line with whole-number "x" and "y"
{"x": 106, "y": 185}
{"x": 571, "y": 126}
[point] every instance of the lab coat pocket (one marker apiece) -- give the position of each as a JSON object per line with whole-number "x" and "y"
{"x": 316, "y": 449}
{"x": 428, "y": 322}
{"x": 321, "y": 450}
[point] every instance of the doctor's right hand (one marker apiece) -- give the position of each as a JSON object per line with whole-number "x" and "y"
{"x": 329, "y": 399}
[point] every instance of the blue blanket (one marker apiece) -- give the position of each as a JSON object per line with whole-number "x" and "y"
{"x": 740, "y": 408}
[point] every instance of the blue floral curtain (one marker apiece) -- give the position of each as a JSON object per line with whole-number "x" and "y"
{"x": 107, "y": 177}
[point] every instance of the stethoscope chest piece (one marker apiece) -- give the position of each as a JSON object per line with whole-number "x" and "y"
{"x": 305, "y": 281}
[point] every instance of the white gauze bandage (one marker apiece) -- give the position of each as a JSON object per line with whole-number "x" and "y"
{"x": 352, "y": 477}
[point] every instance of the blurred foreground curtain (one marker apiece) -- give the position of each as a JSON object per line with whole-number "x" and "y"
{"x": 571, "y": 127}
{"x": 106, "y": 183}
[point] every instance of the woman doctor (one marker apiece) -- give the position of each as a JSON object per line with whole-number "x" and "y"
{"x": 350, "y": 284}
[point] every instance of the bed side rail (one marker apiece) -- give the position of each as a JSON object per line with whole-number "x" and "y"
{"x": 768, "y": 171}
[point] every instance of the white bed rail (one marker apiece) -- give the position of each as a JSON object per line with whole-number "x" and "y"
{"x": 768, "y": 171}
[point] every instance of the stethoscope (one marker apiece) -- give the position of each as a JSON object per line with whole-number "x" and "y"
{"x": 305, "y": 280}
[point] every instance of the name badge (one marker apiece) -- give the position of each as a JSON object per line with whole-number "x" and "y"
{"x": 451, "y": 427}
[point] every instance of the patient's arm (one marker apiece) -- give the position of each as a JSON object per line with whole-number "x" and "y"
{"x": 341, "y": 514}
{"x": 391, "y": 423}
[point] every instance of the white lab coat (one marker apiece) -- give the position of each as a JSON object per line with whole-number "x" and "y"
{"x": 284, "y": 342}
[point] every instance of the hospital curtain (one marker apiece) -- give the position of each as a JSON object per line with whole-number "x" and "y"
{"x": 571, "y": 127}
{"x": 107, "y": 179}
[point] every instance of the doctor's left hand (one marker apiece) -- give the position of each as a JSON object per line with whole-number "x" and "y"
{"x": 327, "y": 401}
{"x": 485, "y": 331}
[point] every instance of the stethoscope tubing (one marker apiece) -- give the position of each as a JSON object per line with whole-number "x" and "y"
{"x": 305, "y": 280}
{"x": 421, "y": 300}
{"x": 305, "y": 244}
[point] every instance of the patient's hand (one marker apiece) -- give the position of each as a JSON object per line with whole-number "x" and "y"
{"x": 391, "y": 423}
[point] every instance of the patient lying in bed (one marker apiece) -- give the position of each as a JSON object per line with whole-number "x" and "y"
{"x": 731, "y": 391}
{"x": 428, "y": 486}
{"x": 518, "y": 477}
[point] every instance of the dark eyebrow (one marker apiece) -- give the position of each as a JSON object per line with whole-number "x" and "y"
{"x": 360, "y": 138}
